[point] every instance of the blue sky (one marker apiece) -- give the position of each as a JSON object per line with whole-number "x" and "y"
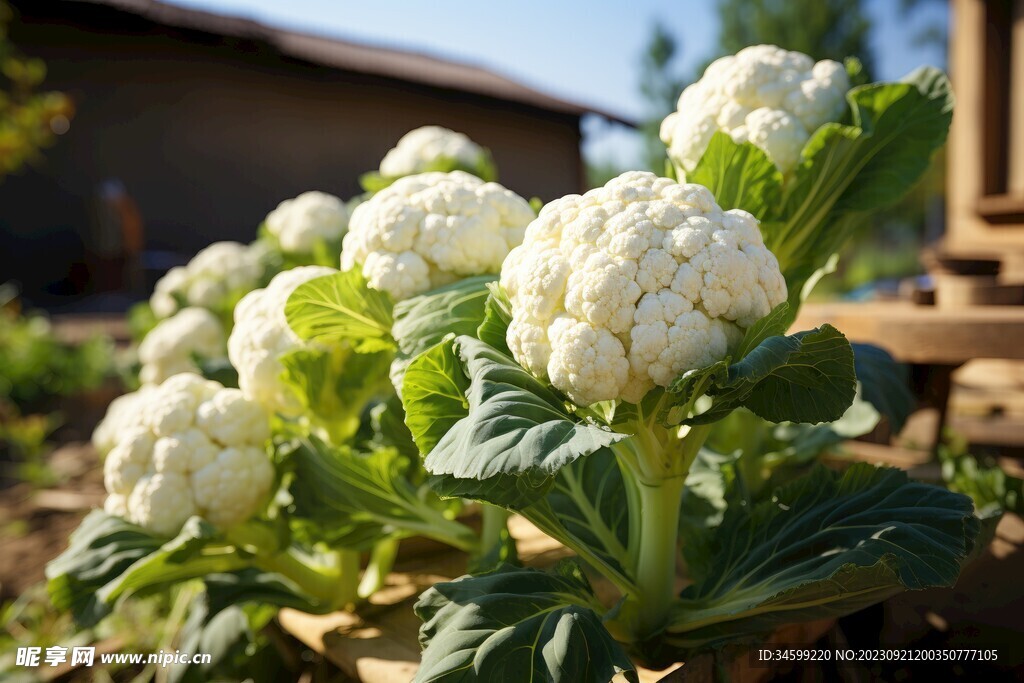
{"x": 582, "y": 50}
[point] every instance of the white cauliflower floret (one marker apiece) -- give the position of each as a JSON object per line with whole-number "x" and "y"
{"x": 168, "y": 348}
{"x": 216, "y": 273}
{"x": 763, "y": 94}
{"x": 628, "y": 286}
{"x": 421, "y": 149}
{"x": 182, "y": 448}
{"x": 299, "y": 224}
{"x": 427, "y": 230}
{"x": 124, "y": 413}
{"x": 261, "y": 335}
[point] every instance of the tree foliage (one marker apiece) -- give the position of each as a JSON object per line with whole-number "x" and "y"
{"x": 30, "y": 119}
{"x": 823, "y": 29}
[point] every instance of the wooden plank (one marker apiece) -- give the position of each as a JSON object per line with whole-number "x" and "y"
{"x": 925, "y": 334}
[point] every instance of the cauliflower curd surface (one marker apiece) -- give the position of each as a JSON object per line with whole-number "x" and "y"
{"x": 763, "y": 94}
{"x": 428, "y": 230}
{"x": 186, "y": 447}
{"x": 627, "y": 286}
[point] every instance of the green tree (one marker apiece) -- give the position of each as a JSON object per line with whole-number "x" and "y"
{"x": 823, "y": 29}
{"x": 29, "y": 119}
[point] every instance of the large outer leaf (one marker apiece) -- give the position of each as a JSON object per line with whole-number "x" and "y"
{"x": 342, "y": 307}
{"x": 885, "y": 384}
{"x": 740, "y": 176}
{"x": 335, "y": 385}
{"x": 434, "y": 395}
{"x": 109, "y": 558}
{"x": 515, "y": 437}
{"x": 100, "y": 549}
{"x": 458, "y": 308}
{"x": 825, "y": 545}
{"x": 356, "y": 498}
{"x": 517, "y": 625}
{"x": 804, "y": 377}
{"x": 587, "y": 510}
{"x": 423, "y": 321}
{"x": 179, "y": 559}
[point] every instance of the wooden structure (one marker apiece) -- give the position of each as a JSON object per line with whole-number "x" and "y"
{"x": 986, "y": 148}
{"x": 934, "y": 341}
{"x": 209, "y": 121}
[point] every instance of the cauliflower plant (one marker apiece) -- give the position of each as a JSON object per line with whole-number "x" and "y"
{"x": 763, "y": 94}
{"x": 301, "y": 223}
{"x": 626, "y": 287}
{"x": 169, "y": 347}
{"x": 431, "y": 229}
{"x": 210, "y": 279}
{"x": 261, "y": 335}
{"x": 187, "y": 447}
{"x": 423, "y": 149}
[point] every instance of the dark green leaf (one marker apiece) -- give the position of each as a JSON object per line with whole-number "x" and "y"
{"x": 517, "y": 624}
{"x": 100, "y": 549}
{"x": 708, "y": 492}
{"x": 252, "y": 585}
{"x": 740, "y": 176}
{"x": 807, "y": 378}
{"x": 423, "y": 321}
{"x": 804, "y": 377}
{"x": 218, "y": 369}
{"x": 885, "y": 384}
{"x": 775, "y": 324}
{"x": 515, "y": 438}
{"x": 587, "y": 510}
{"x": 387, "y": 420}
{"x": 825, "y": 545}
{"x": 342, "y": 307}
{"x": 179, "y": 559}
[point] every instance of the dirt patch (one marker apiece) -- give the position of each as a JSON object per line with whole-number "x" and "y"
{"x": 35, "y": 523}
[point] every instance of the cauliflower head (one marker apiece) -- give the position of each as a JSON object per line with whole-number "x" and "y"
{"x": 771, "y": 97}
{"x": 188, "y": 447}
{"x": 169, "y": 347}
{"x": 421, "y": 149}
{"x": 261, "y": 335}
{"x": 212, "y": 276}
{"x": 629, "y": 285}
{"x": 428, "y": 230}
{"x": 300, "y": 223}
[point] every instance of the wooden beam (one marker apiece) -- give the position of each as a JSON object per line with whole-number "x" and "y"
{"x": 925, "y": 334}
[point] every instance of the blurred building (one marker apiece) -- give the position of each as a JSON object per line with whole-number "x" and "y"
{"x": 206, "y": 122}
{"x": 986, "y": 150}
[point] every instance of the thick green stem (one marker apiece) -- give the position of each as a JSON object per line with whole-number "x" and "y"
{"x": 493, "y": 525}
{"x": 655, "y": 463}
{"x": 332, "y": 581}
{"x": 656, "y": 563}
{"x": 332, "y": 585}
{"x": 382, "y": 559}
